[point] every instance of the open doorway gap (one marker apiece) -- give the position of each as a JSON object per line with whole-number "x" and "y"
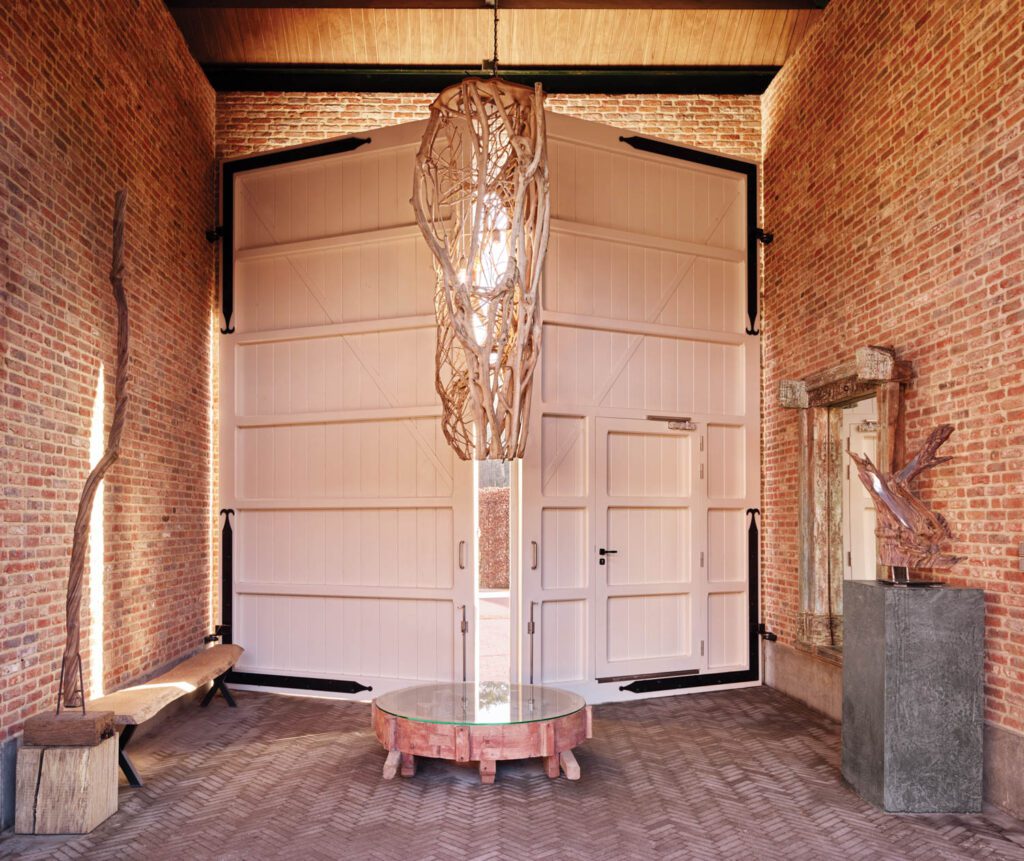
{"x": 493, "y": 490}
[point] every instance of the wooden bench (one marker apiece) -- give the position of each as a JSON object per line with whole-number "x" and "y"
{"x": 137, "y": 704}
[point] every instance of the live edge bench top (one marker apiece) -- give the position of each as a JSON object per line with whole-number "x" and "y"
{"x": 139, "y": 703}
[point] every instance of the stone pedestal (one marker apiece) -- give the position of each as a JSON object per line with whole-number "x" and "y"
{"x": 913, "y": 696}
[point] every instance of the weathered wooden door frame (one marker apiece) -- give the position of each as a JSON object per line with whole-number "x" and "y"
{"x": 820, "y": 398}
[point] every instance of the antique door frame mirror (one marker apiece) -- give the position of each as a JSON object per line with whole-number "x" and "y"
{"x": 821, "y": 398}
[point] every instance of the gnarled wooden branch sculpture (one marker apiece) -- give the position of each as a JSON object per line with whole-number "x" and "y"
{"x": 71, "y": 692}
{"x": 480, "y": 193}
{"x": 909, "y": 533}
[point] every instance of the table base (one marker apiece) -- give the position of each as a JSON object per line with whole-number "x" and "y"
{"x": 553, "y": 740}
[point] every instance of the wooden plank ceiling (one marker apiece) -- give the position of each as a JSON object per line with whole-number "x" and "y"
{"x": 575, "y": 34}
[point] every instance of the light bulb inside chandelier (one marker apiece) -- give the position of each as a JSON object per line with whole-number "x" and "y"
{"x": 481, "y": 198}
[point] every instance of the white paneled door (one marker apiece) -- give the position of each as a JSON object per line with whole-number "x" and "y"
{"x": 353, "y": 518}
{"x": 643, "y": 458}
{"x": 648, "y": 597}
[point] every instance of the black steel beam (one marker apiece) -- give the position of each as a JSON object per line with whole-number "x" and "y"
{"x": 709, "y": 5}
{"x": 682, "y": 80}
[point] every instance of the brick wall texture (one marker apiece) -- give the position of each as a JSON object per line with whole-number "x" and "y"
{"x": 94, "y": 97}
{"x": 251, "y": 122}
{"x": 894, "y": 184}
{"x": 493, "y": 537}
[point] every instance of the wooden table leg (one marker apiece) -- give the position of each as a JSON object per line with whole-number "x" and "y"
{"x": 569, "y": 765}
{"x": 487, "y": 769}
{"x": 551, "y": 766}
{"x": 391, "y": 764}
{"x": 408, "y": 765}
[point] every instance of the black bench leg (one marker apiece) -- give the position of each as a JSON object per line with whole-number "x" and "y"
{"x": 219, "y": 685}
{"x": 124, "y": 737}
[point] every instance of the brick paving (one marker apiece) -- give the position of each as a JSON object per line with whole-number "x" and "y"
{"x": 494, "y": 645}
{"x": 743, "y": 774}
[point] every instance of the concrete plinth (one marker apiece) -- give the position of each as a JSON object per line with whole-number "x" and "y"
{"x": 913, "y": 696}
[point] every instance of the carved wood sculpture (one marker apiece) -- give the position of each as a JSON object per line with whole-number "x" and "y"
{"x": 909, "y": 533}
{"x": 71, "y": 692}
{"x": 480, "y": 192}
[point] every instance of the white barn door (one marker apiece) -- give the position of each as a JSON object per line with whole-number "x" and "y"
{"x": 643, "y": 458}
{"x": 353, "y": 518}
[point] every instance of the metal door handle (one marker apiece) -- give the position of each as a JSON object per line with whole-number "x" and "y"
{"x": 462, "y": 555}
{"x": 604, "y": 552}
{"x": 536, "y": 555}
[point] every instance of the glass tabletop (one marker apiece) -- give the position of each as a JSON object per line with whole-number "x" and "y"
{"x": 480, "y": 703}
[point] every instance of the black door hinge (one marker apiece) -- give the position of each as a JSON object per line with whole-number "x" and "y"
{"x": 763, "y": 236}
{"x": 215, "y": 234}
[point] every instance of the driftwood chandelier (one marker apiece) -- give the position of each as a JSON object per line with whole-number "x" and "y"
{"x": 480, "y": 192}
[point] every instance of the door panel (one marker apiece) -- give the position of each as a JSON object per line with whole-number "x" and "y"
{"x": 353, "y": 526}
{"x": 644, "y": 431}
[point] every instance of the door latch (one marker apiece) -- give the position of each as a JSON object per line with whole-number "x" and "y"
{"x": 602, "y": 552}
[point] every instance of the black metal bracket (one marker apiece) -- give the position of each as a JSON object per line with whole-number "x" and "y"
{"x": 226, "y": 583}
{"x": 218, "y": 634}
{"x": 663, "y": 683}
{"x": 215, "y": 234}
{"x": 763, "y": 236}
{"x": 127, "y": 768}
{"x": 219, "y": 685}
{"x": 765, "y": 634}
{"x": 80, "y": 690}
{"x": 304, "y": 683}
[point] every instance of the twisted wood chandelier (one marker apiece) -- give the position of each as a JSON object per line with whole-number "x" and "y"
{"x": 480, "y": 193}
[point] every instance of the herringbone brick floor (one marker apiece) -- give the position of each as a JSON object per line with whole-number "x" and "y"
{"x": 743, "y": 774}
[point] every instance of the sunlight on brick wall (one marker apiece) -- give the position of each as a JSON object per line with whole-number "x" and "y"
{"x": 895, "y": 191}
{"x": 95, "y": 97}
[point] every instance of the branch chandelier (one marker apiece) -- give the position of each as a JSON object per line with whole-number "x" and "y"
{"x": 480, "y": 193}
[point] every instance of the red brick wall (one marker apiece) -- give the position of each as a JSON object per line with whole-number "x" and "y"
{"x": 93, "y": 97}
{"x": 894, "y": 185}
{"x": 494, "y": 537}
{"x": 250, "y": 122}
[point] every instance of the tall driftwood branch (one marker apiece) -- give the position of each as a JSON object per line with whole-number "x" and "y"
{"x": 72, "y": 647}
{"x": 909, "y": 533}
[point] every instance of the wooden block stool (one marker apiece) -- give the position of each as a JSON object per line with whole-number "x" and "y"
{"x": 67, "y": 773}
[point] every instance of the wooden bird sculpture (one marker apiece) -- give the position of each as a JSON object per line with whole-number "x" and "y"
{"x": 909, "y": 533}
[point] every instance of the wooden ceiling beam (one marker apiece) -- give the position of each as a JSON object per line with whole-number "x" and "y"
{"x": 704, "y": 5}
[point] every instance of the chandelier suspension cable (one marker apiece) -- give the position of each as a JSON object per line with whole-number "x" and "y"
{"x": 494, "y": 61}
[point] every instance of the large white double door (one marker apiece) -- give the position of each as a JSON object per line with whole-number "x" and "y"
{"x": 353, "y": 546}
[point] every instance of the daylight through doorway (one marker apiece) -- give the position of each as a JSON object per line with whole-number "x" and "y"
{"x": 493, "y": 489}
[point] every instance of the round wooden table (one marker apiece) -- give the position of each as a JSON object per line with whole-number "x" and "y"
{"x": 481, "y": 722}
